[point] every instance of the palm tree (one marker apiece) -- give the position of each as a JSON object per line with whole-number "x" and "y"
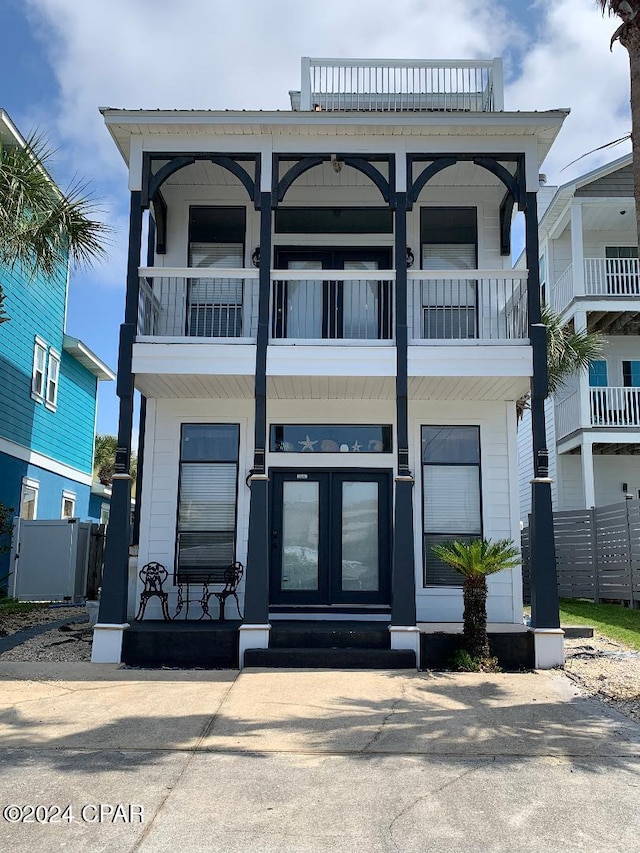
{"x": 104, "y": 459}
{"x": 40, "y": 226}
{"x": 476, "y": 560}
{"x": 568, "y": 352}
{"x": 628, "y": 34}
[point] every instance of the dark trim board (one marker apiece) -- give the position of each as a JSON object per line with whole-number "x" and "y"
{"x": 514, "y": 650}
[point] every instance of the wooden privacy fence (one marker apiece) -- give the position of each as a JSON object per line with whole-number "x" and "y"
{"x": 597, "y": 552}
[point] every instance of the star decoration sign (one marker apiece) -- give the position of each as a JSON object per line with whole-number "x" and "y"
{"x": 356, "y": 448}
{"x": 307, "y": 444}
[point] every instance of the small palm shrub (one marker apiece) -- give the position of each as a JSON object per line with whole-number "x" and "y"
{"x": 476, "y": 560}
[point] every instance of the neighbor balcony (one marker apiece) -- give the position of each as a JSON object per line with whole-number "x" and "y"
{"x": 608, "y": 407}
{"x": 602, "y": 278}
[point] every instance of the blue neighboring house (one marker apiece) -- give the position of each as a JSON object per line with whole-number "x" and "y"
{"x": 48, "y": 399}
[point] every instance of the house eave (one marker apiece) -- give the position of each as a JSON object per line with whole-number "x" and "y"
{"x": 87, "y": 358}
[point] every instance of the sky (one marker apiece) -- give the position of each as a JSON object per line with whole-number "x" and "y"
{"x": 63, "y": 59}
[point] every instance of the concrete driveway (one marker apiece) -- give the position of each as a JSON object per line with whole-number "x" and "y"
{"x": 309, "y": 761}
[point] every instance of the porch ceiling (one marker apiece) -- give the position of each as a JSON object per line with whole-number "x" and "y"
{"x": 331, "y": 387}
{"x": 198, "y": 386}
{"x": 467, "y": 387}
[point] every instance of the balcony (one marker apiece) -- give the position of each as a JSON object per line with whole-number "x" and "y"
{"x": 332, "y": 329}
{"x": 331, "y": 306}
{"x": 609, "y": 407}
{"x": 604, "y": 278}
{"x": 377, "y": 85}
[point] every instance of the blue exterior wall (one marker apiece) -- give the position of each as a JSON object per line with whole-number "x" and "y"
{"x": 95, "y": 506}
{"x": 37, "y": 307}
{"x": 50, "y": 490}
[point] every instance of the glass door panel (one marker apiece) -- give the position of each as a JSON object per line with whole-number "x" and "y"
{"x": 304, "y": 303}
{"x": 361, "y": 304}
{"x": 300, "y": 535}
{"x": 360, "y": 564}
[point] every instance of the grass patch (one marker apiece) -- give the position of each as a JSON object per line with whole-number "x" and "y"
{"x": 10, "y": 605}
{"x": 613, "y": 621}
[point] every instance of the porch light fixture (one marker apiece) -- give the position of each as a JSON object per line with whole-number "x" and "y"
{"x": 255, "y": 256}
{"x": 337, "y": 164}
{"x": 410, "y": 257}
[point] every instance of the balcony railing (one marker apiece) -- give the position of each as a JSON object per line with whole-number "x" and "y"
{"x": 332, "y": 305}
{"x": 198, "y": 303}
{"x": 608, "y": 277}
{"x": 567, "y": 415}
{"x": 467, "y": 305}
{"x": 615, "y": 407}
{"x": 612, "y": 407}
{"x": 328, "y": 306}
{"x": 400, "y": 85}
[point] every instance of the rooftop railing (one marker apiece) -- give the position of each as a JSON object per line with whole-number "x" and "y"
{"x": 400, "y": 85}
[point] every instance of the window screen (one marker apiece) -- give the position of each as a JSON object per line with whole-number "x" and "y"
{"x": 207, "y": 499}
{"x": 451, "y": 505}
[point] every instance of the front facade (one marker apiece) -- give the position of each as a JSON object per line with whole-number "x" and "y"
{"x": 48, "y": 386}
{"x": 589, "y": 274}
{"x": 330, "y": 340}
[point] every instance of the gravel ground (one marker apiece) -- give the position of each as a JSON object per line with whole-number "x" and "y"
{"x": 607, "y": 671}
{"x": 70, "y": 642}
{"x": 600, "y": 667}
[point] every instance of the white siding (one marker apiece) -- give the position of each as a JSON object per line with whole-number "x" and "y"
{"x": 499, "y": 504}
{"x": 610, "y": 473}
{"x": 525, "y": 459}
{"x": 571, "y": 494}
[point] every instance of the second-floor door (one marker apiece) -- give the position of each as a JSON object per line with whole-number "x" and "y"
{"x": 312, "y": 308}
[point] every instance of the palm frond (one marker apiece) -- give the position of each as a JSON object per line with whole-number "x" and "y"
{"x": 568, "y": 350}
{"x": 479, "y": 557}
{"x": 39, "y": 224}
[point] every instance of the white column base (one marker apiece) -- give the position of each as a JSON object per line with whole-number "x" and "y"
{"x": 107, "y": 643}
{"x": 549, "y": 647}
{"x": 252, "y": 637}
{"x": 406, "y": 637}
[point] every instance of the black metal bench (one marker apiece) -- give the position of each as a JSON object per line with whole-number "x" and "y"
{"x": 227, "y": 577}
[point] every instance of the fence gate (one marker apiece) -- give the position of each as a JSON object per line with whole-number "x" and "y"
{"x": 50, "y": 559}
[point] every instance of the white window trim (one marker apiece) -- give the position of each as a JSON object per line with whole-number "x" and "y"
{"x": 39, "y": 343}
{"x": 68, "y": 496}
{"x": 52, "y": 405}
{"x": 29, "y": 483}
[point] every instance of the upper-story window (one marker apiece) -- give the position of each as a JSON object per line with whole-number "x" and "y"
{"x": 216, "y": 239}
{"x": 598, "y": 373}
{"x": 53, "y": 377}
{"x": 631, "y": 374}
{"x": 39, "y": 361}
{"x": 449, "y": 241}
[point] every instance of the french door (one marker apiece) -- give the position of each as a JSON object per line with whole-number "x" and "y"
{"x": 330, "y": 537}
{"x": 313, "y": 308}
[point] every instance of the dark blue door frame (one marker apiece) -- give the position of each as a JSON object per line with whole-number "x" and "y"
{"x": 329, "y": 591}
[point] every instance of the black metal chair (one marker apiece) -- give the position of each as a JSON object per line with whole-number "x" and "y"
{"x": 153, "y": 576}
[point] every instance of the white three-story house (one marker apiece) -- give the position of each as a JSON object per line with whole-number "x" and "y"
{"x": 329, "y": 339}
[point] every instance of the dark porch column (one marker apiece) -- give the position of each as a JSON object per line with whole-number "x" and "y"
{"x": 113, "y": 598}
{"x": 256, "y": 607}
{"x": 403, "y": 586}
{"x": 544, "y": 579}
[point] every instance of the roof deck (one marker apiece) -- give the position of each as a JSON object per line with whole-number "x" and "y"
{"x": 399, "y": 85}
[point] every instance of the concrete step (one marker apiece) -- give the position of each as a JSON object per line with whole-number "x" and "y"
{"x": 330, "y": 658}
{"x": 294, "y": 634}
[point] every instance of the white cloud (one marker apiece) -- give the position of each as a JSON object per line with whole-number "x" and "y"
{"x": 246, "y": 55}
{"x": 570, "y": 65}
